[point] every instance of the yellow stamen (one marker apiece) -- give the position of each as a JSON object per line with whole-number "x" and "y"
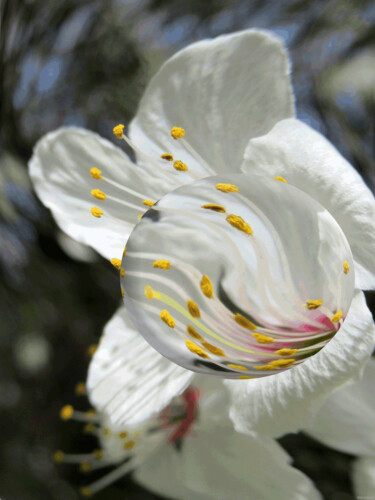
{"x": 265, "y": 367}
{"x": 139, "y": 216}
{"x": 129, "y": 445}
{"x": 281, "y": 179}
{"x": 116, "y": 263}
{"x": 98, "y": 454}
{"x": 90, "y": 413}
{"x": 244, "y": 377}
{"x": 193, "y": 309}
{"x": 282, "y": 363}
{"x": 91, "y": 350}
{"x": 99, "y": 195}
{"x": 286, "y": 352}
{"x": 167, "y": 318}
{"x": 124, "y": 252}
{"x": 238, "y": 222}
{"x": 148, "y": 203}
{"x": 118, "y": 131}
{"x": 345, "y": 266}
{"x": 263, "y": 339}
{"x": 227, "y": 188}
{"x": 177, "y": 133}
{"x": 150, "y": 293}
{"x": 58, "y": 456}
{"x": 123, "y": 434}
{"x": 96, "y": 212}
{"x": 196, "y": 349}
{"x": 244, "y": 322}
{"x": 122, "y": 272}
{"x": 336, "y": 317}
{"x": 162, "y": 264}
{"x": 167, "y": 156}
{"x": 96, "y": 173}
{"x": 313, "y": 304}
{"x": 106, "y": 431}
{"x": 89, "y": 428}
{"x": 214, "y": 207}
{"x": 85, "y": 492}
{"x": 238, "y": 367}
{"x": 193, "y": 333}
{"x": 66, "y": 412}
{"x": 215, "y": 350}
{"x": 80, "y": 388}
{"x": 180, "y": 166}
{"x": 122, "y": 292}
{"x": 206, "y": 286}
{"x": 85, "y": 467}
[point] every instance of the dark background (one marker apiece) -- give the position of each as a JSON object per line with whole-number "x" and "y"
{"x": 87, "y": 63}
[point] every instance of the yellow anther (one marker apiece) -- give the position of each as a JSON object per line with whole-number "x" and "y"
{"x": 286, "y": 352}
{"x": 90, "y": 413}
{"x": 92, "y": 349}
{"x": 80, "y": 388}
{"x": 149, "y": 292}
{"x": 167, "y": 156}
{"x": 89, "y": 428}
{"x": 99, "y": 195}
{"x": 167, "y": 318}
{"x": 118, "y": 131}
{"x": 122, "y": 292}
{"x": 122, "y": 272}
{"x": 96, "y": 173}
{"x": 58, "y": 456}
{"x": 106, "y": 431}
{"x": 180, "y": 166}
{"x": 281, "y": 179}
{"x": 85, "y": 467}
{"x": 96, "y": 212}
{"x": 238, "y": 367}
{"x": 193, "y": 333}
{"x": 85, "y": 492}
{"x": 336, "y": 317}
{"x": 162, "y": 264}
{"x": 193, "y": 309}
{"x": 244, "y": 377}
{"x": 265, "y": 367}
{"x": 244, "y": 322}
{"x": 313, "y": 304}
{"x": 139, "y": 216}
{"x": 116, "y": 263}
{"x": 66, "y": 412}
{"x": 129, "y": 445}
{"x": 123, "y": 434}
{"x": 213, "y": 349}
{"x": 177, "y": 133}
{"x": 345, "y": 266}
{"x": 206, "y": 286}
{"x": 263, "y": 339}
{"x": 148, "y": 203}
{"x": 194, "y": 348}
{"x": 238, "y": 222}
{"x": 282, "y": 363}
{"x": 98, "y": 454}
{"x": 214, "y": 207}
{"x": 124, "y": 252}
{"x": 227, "y": 188}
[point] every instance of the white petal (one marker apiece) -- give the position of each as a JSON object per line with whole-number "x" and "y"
{"x": 218, "y": 463}
{"x": 346, "y": 421}
{"x": 60, "y": 169}
{"x": 128, "y": 379}
{"x": 363, "y": 476}
{"x": 286, "y": 402}
{"x": 307, "y": 160}
{"x": 222, "y": 92}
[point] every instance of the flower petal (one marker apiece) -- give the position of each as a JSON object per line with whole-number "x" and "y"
{"x": 218, "y": 462}
{"x": 363, "y": 476}
{"x": 60, "y": 169}
{"x": 307, "y": 160}
{"x": 222, "y": 92}
{"x": 346, "y": 421}
{"x": 128, "y": 379}
{"x": 286, "y": 402}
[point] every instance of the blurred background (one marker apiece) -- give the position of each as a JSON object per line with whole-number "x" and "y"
{"x": 87, "y": 63}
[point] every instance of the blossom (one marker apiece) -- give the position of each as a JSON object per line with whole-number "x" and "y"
{"x": 218, "y": 120}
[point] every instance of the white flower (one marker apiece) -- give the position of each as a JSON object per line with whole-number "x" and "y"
{"x": 233, "y": 97}
{"x": 187, "y": 450}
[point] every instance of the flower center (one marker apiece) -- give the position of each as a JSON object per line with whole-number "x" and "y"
{"x": 237, "y": 276}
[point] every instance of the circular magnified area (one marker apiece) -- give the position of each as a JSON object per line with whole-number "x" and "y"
{"x": 238, "y": 276}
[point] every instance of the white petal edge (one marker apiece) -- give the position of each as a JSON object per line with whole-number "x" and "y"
{"x": 363, "y": 476}
{"x": 307, "y": 160}
{"x": 346, "y": 421}
{"x": 217, "y": 462}
{"x": 288, "y": 401}
{"x": 60, "y": 171}
{"x": 128, "y": 380}
{"x": 222, "y": 92}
